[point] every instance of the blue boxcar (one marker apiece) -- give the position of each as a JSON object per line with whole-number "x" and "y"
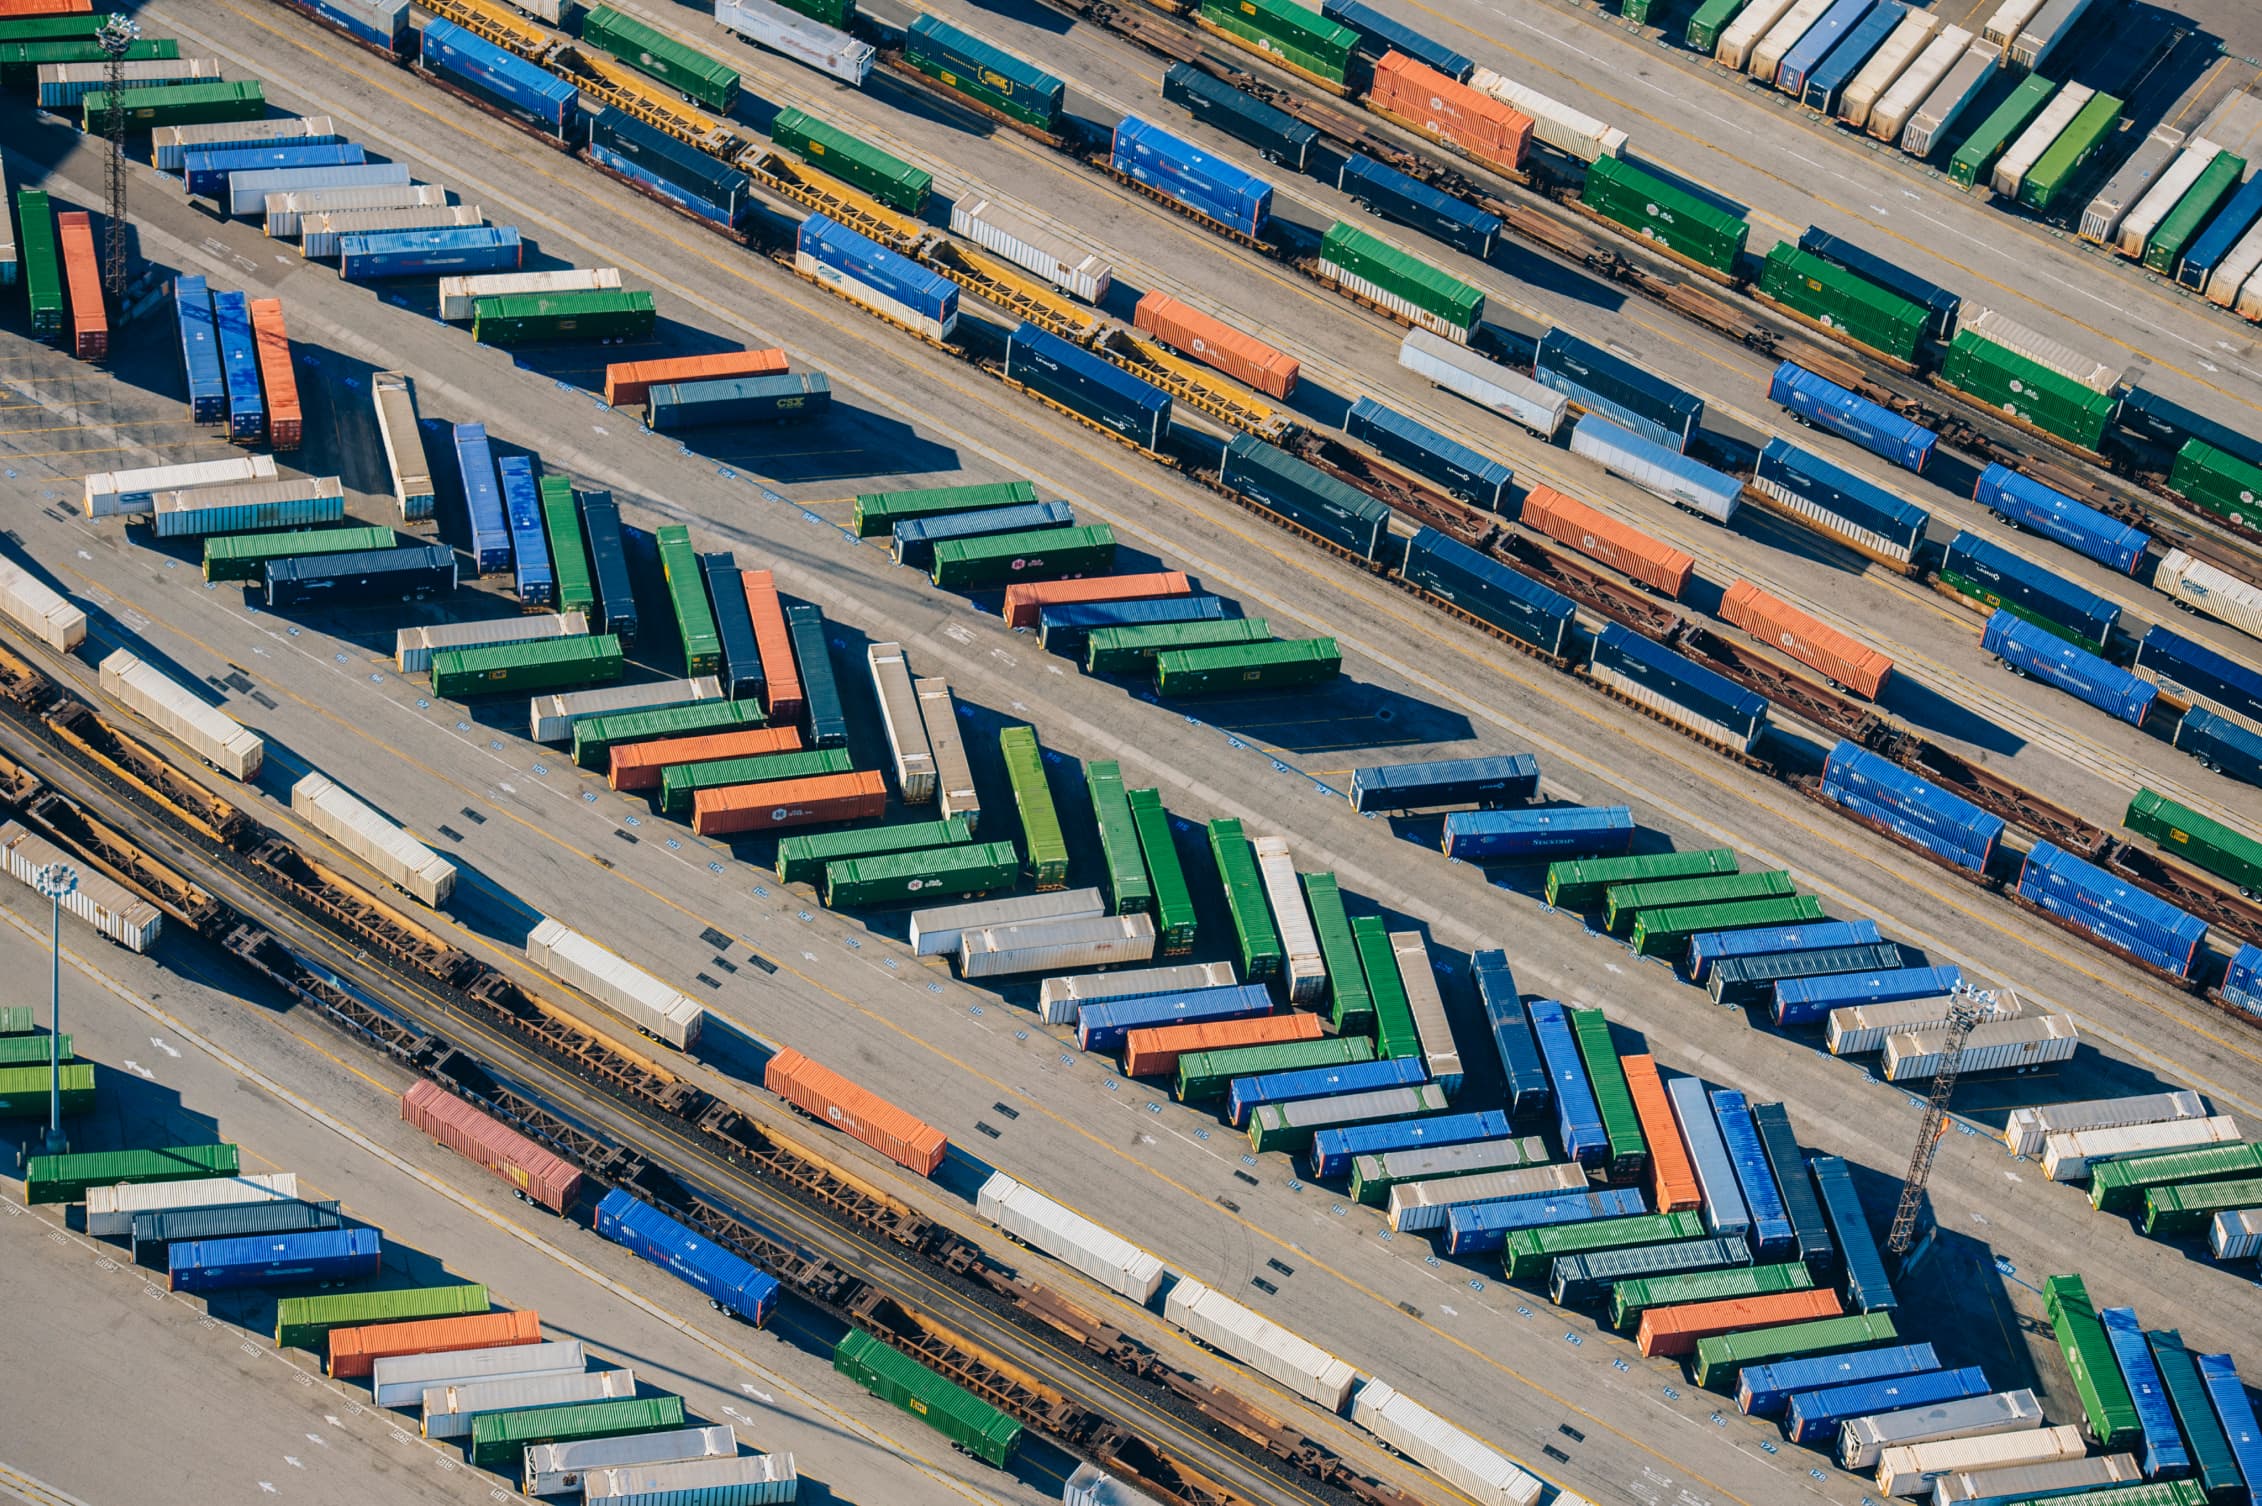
{"x": 205, "y": 173}
{"x": 2020, "y": 499}
{"x": 1840, "y": 503}
{"x": 2221, "y": 681}
{"x": 1868, "y": 1288}
{"x": 1849, "y": 415}
{"x": 1333, "y": 1150}
{"x": 1497, "y": 780}
{"x": 1934, "y": 299}
{"x": 530, "y": 551}
{"x": 1772, "y": 1237}
{"x": 1483, "y": 1228}
{"x": 320, "y": 1255}
{"x": 1813, "y": 1417}
{"x": 1539, "y": 836}
{"x": 2223, "y": 232}
{"x": 1914, "y": 809}
{"x": 1678, "y": 688}
{"x": 1618, "y": 389}
{"x": 927, "y": 295}
{"x": 200, "y": 351}
{"x": 2043, "y": 655}
{"x": 2242, "y": 981}
{"x": 1409, "y": 201}
{"x": 1578, "y": 1120}
{"x": 914, "y": 539}
{"x": 1067, "y": 629}
{"x": 1709, "y": 947}
{"x": 1724, "y": 1211}
{"x": 466, "y": 250}
{"x": 519, "y": 89}
{"x": 1525, "y": 1074}
{"x": 1246, "y": 1093}
{"x": 2165, "y": 1456}
{"x": 2219, "y": 1374}
{"x": 1808, "y": 1001}
{"x": 2221, "y": 744}
{"x": 2128, "y": 917}
{"x": 1501, "y": 598}
{"x": 488, "y": 530}
{"x": 1379, "y": 34}
{"x": 1476, "y": 479}
{"x": 736, "y": 1286}
{"x": 1765, "y": 1390}
{"x": 2041, "y": 596}
{"x": 1829, "y": 79}
{"x": 1099, "y": 390}
{"x": 1816, "y": 43}
{"x": 1185, "y": 174}
{"x": 1101, "y": 1026}
{"x": 239, "y": 364}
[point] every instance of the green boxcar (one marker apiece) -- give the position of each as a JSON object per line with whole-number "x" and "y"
{"x": 803, "y": 859}
{"x": 1649, "y": 206}
{"x": 1204, "y": 1075}
{"x": 1666, "y": 933}
{"x": 1288, "y": 30}
{"x": 1530, "y": 1252}
{"x": 1403, "y": 275}
{"x": 839, "y": 14}
{"x": 24, "y": 1090}
{"x": 244, "y": 556}
{"x": 501, "y": 1439}
{"x": 679, "y": 782}
{"x": 65, "y": 1179}
{"x": 2180, "y": 226}
{"x": 1831, "y": 295}
{"x": 1033, "y": 802}
{"x": 1711, "y": 19}
{"x": 1720, "y": 1358}
{"x": 1128, "y": 891}
{"x": 2120, "y": 1186}
{"x": 1037, "y": 554}
{"x": 1621, "y": 1122}
{"x": 569, "y": 556}
{"x": 1975, "y": 159}
{"x": 651, "y": 51}
{"x": 888, "y": 178}
{"x": 16, "y": 1019}
{"x": 1630, "y": 1299}
{"x": 584, "y": 314}
{"x": 2106, "y": 1405}
{"x": 1621, "y": 902}
{"x": 2188, "y": 1207}
{"x": 40, "y": 263}
{"x": 1578, "y": 882}
{"x": 1252, "y": 666}
{"x": 177, "y": 104}
{"x": 1350, "y": 1007}
{"x": 594, "y": 737}
{"x": 524, "y": 668}
{"x": 1131, "y": 650}
{"x": 2201, "y": 841}
{"x": 2221, "y": 483}
{"x": 1289, "y": 1127}
{"x": 964, "y": 1418}
{"x": 1394, "y": 1031}
{"x": 924, "y": 874}
{"x": 687, "y": 592}
{"x": 31, "y": 1050}
{"x": 877, "y": 513}
{"x": 989, "y": 75}
{"x": 1257, "y": 939}
{"x": 2060, "y": 168}
{"x": 303, "y": 1322}
{"x": 1174, "y": 901}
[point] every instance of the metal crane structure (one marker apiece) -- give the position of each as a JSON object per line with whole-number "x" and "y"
{"x": 116, "y": 37}
{"x": 1967, "y": 1006}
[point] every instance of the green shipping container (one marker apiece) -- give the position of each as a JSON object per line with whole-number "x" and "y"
{"x": 924, "y": 875}
{"x": 1722, "y": 1357}
{"x": 244, "y": 556}
{"x": 2120, "y": 1186}
{"x": 1131, "y": 650}
{"x": 1032, "y": 801}
{"x": 2201, "y": 841}
{"x": 1578, "y": 882}
{"x": 594, "y": 737}
{"x": 680, "y": 781}
{"x": 989, "y": 75}
{"x": 524, "y": 668}
{"x": 585, "y": 314}
{"x": 1204, "y": 1075}
{"x": 2189, "y": 1207}
{"x": 687, "y": 593}
{"x": 1843, "y": 300}
{"x": 40, "y": 264}
{"x": 1649, "y": 206}
{"x": 177, "y": 104}
{"x": 888, "y": 178}
{"x": 20, "y": 61}
{"x": 1621, "y": 902}
{"x": 1994, "y": 601}
{"x": 2106, "y": 1405}
{"x": 803, "y": 859}
{"x": 1254, "y": 933}
{"x": 303, "y": 1322}
{"x": 1128, "y": 891}
{"x": 1350, "y": 1007}
{"x": 2222, "y": 483}
{"x": 964, "y": 1418}
{"x": 32, "y": 1050}
{"x": 569, "y": 556}
{"x": 2060, "y": 167}
{"x": 46, "y": 28}
{"x": 1530, "y": 1252}
{"x": 501, "y": 1439}
{"x": 65, "y": 1179}
{"x": 839, "y": 14}
{"x": 1288, "y": 30}
{"x": 1253, "y": 666}
{"x": 1975, "y": 159}
{"x": 1621, "y": 1122}
{"x": 1630, "y": 1299}
{"x": 2180, "y": 226}
{"x": 1666, "y": 933}
{"x": 24, "y": 1091}
{"x": 2028, "y": 390}
{"x": 651, "y": 51}
{"x": 1038, "y": 554}
{"x": 1711, "y": 19}
{"x": 16, "y": 1019}
{"x": 1403, "y": 275}
{"x": 1394, "y": 1031}
{"x": 1174, "y": 901}
{"x": 878, "y": 512}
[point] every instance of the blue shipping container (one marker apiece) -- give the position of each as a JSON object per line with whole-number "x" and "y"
{"x": 1942, "y": 304}
{"x": 1772, "y": 1237}
{"x": 1578, "y": 1120}
{"x": 902, "y": 281}
{"x": 205, "y": 172}
{"x": 2219, "y": 1374}
{"x": 1539, "y": 836}
{"x": 200, "y": 351}
{"x": 1476, "y": 479}
{"x": 2224, "y": 231}
{"x": 1525, "y": 1074}
{"x": 1483, "y": 1228}
{"x": 519, "y": 89}
{"x": 173, "y": 159}
{"x": 1496, "y": 780}
{"x": 1709, "y": 947}
{"x": 487, "y": 530}
{"x": 1379, "y": 34}
{"x": 1724, "y": 1210}
{"x": 1808, "y": 1001}
{"x": 2040, "y": 595}
{"x": 1185, "y": 174}
{"x": 1503, "y": 599}
{"x": 1868, "y": 1288}
{"x": 1816, "y": 44}
{"x": 2179, "y": 664}
{"x": 322, "y": 1255}
{"x": 1678, "y": 688}
{"x": 915, "y": 538}
{"x": 1387, "y": 192}
{"x": 1068, "y": 629}
{"x": 1813, "y": 1417}
{"x": 1102, "y": 1026}
{"x": 675, "y": 170}
{"x": 2130, "y": 918}
{"x": 1765, "y": 1390}
{"x": 1099, "y": 390}
{"x": 239, "y": 364}
{"x": 2221, "y": 744}
{"x": 380, "y": 23}
{"x": 1916, "y": 810}
{"x": 1617, "y": 389}
{"x": 2043, "y": 655}
{"x": 1839, "y": 502}
{"x": 1828, "y": 81}
{"x": 610, "y": 158}
{"x": 1320, "y": 1082}
{"x": 732, "y": 1284}
{"x": 2020, "y": 499}
{"x": 2242, "y": 983}
{"x": 2165, "y": 1456}
{"x": 465, "y": 251}
{"x": 1333, "y": 1150}
{"x": 530, "y": 551}
{"x": 1849, "y": 415}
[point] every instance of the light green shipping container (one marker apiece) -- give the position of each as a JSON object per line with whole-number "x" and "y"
{"x": 303, "y": 1322}
{"x": 2002, "y": 378}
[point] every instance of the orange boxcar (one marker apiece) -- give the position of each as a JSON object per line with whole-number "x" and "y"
{"x": 284, "y": 424}
{"x": 824, "y": 1094}
{"x": 628, "y": 383}
{"x": 1155, "y": 1050}
{"x": 1468, "y": 120}
{"x": 1672, "y": 1178}
{"x": 1024, "y": 602}
{"x": 637, "y": 766}
{"x": 354, "y": 1350}
{"x": 90, "y": 325}
{"x": 779, "y": 803}
{"x": 1675, "y": 1330}
{"x": 781, "y": 682}
{"x": 1629, "y": 551}
{"x": 1191, "y": 332}
{"x": 1813, "y": 642}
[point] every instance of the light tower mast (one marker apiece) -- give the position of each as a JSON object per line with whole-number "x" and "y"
{"x": 116, "y": 38}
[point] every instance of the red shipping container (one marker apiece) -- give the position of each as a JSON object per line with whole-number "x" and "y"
{"x": 1191, "y": 332}
{"x": 1155, "y": 1050}
{"x": 781, "y": 682}
{"x": 280, "y": 382}
{"x": 637, "y": 766}
{"x": 1675, "y": 1330}
{"x": 1471, "y": 122}
{"x": 1808, "y": 639}
{"x": 779, "y": 803}
{"x": 628, "y": 383}
{"x": 541, "y": 1176}
{"x": 1023, "y": 602}
{"x": 1672, "y": 1177}
{"x": 1629, "y": 551}
{"x": 90, "y": 324}
{"x": 825, "y": 1095}
{"x": 354, "y": 1350}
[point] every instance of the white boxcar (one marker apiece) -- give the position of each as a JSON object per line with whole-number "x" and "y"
{"x": 213, "y": 735}
{"x": 556, "y": 1469}
{"x": 955, "y": 794}
{"x": 1571, "y": 132}
{"x": 449, "y": 1409}
{"x": 1748, "y": 30}
{"x": 2236, "y": 1235}
{"x": 1419, "y": 979}
{"x": 247, "y": 192}
{"x": 111, "y": 908}
{"x": 111, "y": 494}
{"x": 2070, "y": 1156}
{"x": 1911, "y": 1469}
{"x": 347, "y": 820}
{"x": 40, "y": 609}
{"x": 1069, "y": 1237}
{"x": 1931, "y": 121}
{"x": 1306, "y": 973}
{"x": 169, "y": 146}
{"x": 1890, "y": 115}
{"x": 2039, "y": 348}
{"x": 2008, "y": 20}
{"x": 2101, "y": 219}
{"x": 1452, "y": 1455}
{"x": 413, "y": 647}
{"x": 1860, "y": 1028}
{"x": 320, "y": 235}
{"x": 110, "y": 1211}
{"x": 751, "y": 1480}
{"x": 550, "y": 718}
{"x": 1767, "y": 56}
{"x": 908, "y": 748}
{"x": 1885, "y": 67}
{"x": 1032, "y": 248}
{"x": 401, "y": 1380}
{"x": 613, "y": 981}
{"x": 2217, "y": 593}
{"x": 394, "y": 397}
{"x": 1249, "y": 1336}
{"x": 458, "y": 294}
{"x": 2034, "y": 1482}
{"x": 2137, "y": 225}
{"x": 2026, "y": 1129}
{"x": 1861, "y": 1440}
{"x": 2027, "y": 147}
{"x": 1661, "y": 472}
{"x": 798, "y": 37}
{"x": 1422, "y": 1207}
{"x": 286, "y": 502}
{"x": 287, "y": 212}
{"x": 1488, "y": 384}
{"x": 1998, "y": 1046}
{"x": 937, "y": 931}
{"x": 1060, "y": 998}
{"x": 1039, "y": 946}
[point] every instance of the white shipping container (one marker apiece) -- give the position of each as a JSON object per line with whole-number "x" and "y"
{"x": 1860, "y": 1028}
{"x": 899, "y": 716}
{"x": 620, "y": 985}
{"x": 1246, "y": 1335}
{"x": 1944, "y": 106}
{"x": 413, "y": 648}
{"x": 1030, "y": 247}
{"x": 857, "y": 291}
{"x": 2233, "y": 271}
{"x": 401, "y": 1380}
{"x": 1911, "y": 1469}
{"x": 1488, "y": 384}
{"x": 2052, "y": 24}
{"x": 2034, "y": 1481}
{"x": 457, "y": 294}
{"x": 1767, "y": 56}
{"x": 286, "y": 212}
{"x": 1748, "y": 30}
{"x": 2102, "y": 218}
{"x": 1421, "y": 1207}
{"x": 1419, "y": 980}
{"x": 1041, "y": 945}
{"x": 556, "y": 1469}
{"x": 936, "y": 931}
{"x": 169, "y": 146}
{"x": 1090, "y": 1485}
{"x": 1571, "y": 132}
{"x": 2201, "y": 587}
{"x": 110, "y": 1211}
{"x": 213, "y": 735}
{"x": 2012, "y": 167}
{"x": 2249, "y": 305}
{"x": 1306, "y": 973}
{"x": 1885, "y": 67}
{"x": 39, "y": 608}
{"x": 247, "y": 192}
{"x": 1066, "y": 1235}
{"x": 1862, "y": 1440}
{"x": 751, "y": 1480}
{"x": 320, "y": 234}
{"x": 1455, "y": 1457}
{"x": 550, "y": 718}
{"x": 449, "y": 1409}
{"x": 111, "y": 494}
{"x": 1383, "y": 297}
{"x": 395, "y": 400}
{"x": 1889, "y": 116}
{"x": 2070, "y": 1156}
{"x": 345, "y": 819}
{"x": 2009, "y": 19}
{"x": 111, "y": 908}
{"x": 2040, "y": 349}
{"x": 1060, "y": 998}
{"x": 2000, "y": 1046}
{"x": 2026, "y": 1129}
{"x": 286, "y": 502}
{"x": 798, "y": 37}
{"x": 2137, "y": 226}
{"x": 1672, "y": 478}
{"x": 2236, "y": 1235}
{"x": 11, "y": 262}
{"x": 65, "y": 86}
{"x": 955, "y": 794}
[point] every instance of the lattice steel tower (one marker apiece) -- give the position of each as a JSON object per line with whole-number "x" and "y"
{"x": 1966, "y": 1008}
{"x": 116, "y": 38}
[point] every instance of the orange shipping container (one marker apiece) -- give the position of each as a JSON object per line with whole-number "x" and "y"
{"x": 1813, "y": 642}
{"x": 779, "y": 803}
{"x": 90, "y": 325}
{"x": 12, "y": 9}
{"x": 284, "y": 424}
{"x": 637, "y": 766}
{"x": 1672, "y": 1179}
{"x": 1191, "y": 332}
{"x": 825, "y": 1095}
{"x": 1155, "y": 1050}
{"x": 1629, "y": 551}
{"x": 1024, "y": 602}
{"x": 354, "y": 1350}
{"x": 628, "y": 383}
{"x": 1675, "y": 1330}
{"x": 1469, "y": 121}
{"x": 781, "y": 682}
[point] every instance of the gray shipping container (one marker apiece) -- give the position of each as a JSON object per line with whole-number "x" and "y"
{"x": 1862, "y": 1439}
{"x": 1937, "y": 116}
{"x": 936, "y": 932}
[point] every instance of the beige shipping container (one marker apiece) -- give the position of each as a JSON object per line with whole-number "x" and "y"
{"x": 207, "y": 731}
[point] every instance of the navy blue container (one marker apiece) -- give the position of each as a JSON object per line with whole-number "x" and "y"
{"x": 2039, "y": 595}
{"x": 2160, "y": 421}
{"x": 1460, "y": 471}
{"x": 1083, "y": 383}
{"x": 608, "y": 566}
{"x": 1280, "y": 136}
{"x": 1849, "y": 415}
{"x": 2242, "y": 981}
{"x": 2224, "y": 231}
{"x": 2121, "y": 913}
{"x": 200, "y": 351}
{"x": 153, "y": 1232}
{"x": 1492, "y": 593}
{"x": 1529, "y": 1089}
{"x": 1498, "y": 780}
{"x": 1185, "y": 174}
{"x": 778, "y": 397}
{"x": 1808, "y": 1001}
{"x": 2043, "y": 655}
{"x": 1068, "y": 629}
{"x": 406, "y": 572}
{"x": 488, "y": 529}
{"x": 2165, "y": 1456}
{"x": 2179, "y": 665}
{"x": 530, "y": 551}
{"x": 1765, "y": 1390}
{"x": 915, "y": 538}
{"x": 1914, "y": 809}
{"x": 923, "y": 294}
{"x": 1578, "y": 1120}
{"x": 1813, "y": 1417}
{"x": 1541, "y": 836}
{"x": 1246, "y": 1093}
{"x": 741, "y": 674}
{"x": 1678, "y": 688}
{"x": 734, "y": 1285}
{"x": 239, "y": 366}
{"x": 1102, "y": 1025}
{"x": 1772, "y": 1237}
{"x": 514, "y": 86}
{"x": 2020, "y": 499}
{"x": 327, "y": 1255}
{"x": 461, "y": 251}
{"x": 1868, "y": 1288}
{"x": 2235, "y": 1413}
{"x": 1379, "y": 34}
{"x": 1809, "y": 1230}
{"x": 1409, "y": 201}
{"x": 205, "y": 173}
{"x": 1333, "y": 1150}
{"x": 1305, "y": 495}
{"x": 1483, "y": 1228}
{"x": 680, "y": 173}
{"x": 2221, "y": 744}
{"x": 1710, "y": 947}
{"x": 1837, "y": 502}
{"x": 1618, "y": 389}
{"x": 393, "y": 33}
{"x": 820, "y": 687}
{"x": 1738, "y": 981}
{"x": 1828, "y": 81}
{"x": 1934, "y": 299}
{"x": 1816, "y": 43}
